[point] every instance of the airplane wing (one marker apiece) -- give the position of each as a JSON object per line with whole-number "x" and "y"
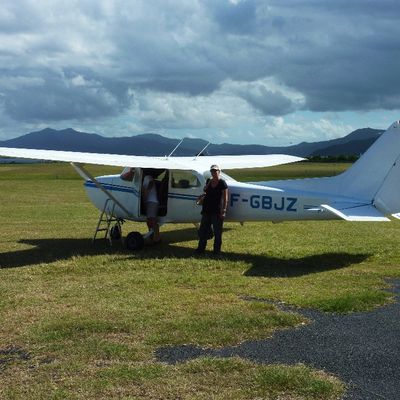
{"x": 199, "y": 164}
{"x": 203, "y": 163}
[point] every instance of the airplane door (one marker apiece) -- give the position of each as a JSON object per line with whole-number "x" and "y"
{"x": 161, "y": 182}
{"x": 184, "y": 189}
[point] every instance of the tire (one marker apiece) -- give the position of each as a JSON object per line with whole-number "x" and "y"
{"x": 116, "y": 232}
{"x": 134, "y": 241}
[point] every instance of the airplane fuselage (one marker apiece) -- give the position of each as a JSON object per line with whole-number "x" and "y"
{"x": 247, "y": 201}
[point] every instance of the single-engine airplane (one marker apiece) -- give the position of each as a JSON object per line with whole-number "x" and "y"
{"x": 367, "y": 191}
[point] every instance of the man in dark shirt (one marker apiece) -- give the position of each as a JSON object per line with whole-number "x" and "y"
{"x": 213, "y": 210}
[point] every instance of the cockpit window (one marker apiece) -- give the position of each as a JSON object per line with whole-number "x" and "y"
{"x": 184, "y": 180}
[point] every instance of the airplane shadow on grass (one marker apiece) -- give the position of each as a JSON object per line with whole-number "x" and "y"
{"x": 45, "y": 251}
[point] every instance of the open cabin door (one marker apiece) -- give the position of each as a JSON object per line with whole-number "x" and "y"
{"x": 177, "y": 191}
{"x": 185, "y": 187}
{"x": 161, "y": 182}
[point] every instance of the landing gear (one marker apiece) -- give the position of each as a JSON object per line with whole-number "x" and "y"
{"x": 134, "y": 241}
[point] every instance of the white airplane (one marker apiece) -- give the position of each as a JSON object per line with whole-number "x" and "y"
{"x": 368, "y": 191}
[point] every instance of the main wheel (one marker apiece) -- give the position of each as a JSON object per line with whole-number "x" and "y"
{"x": 116, "y": 232}
{"x": 134, "y": 241}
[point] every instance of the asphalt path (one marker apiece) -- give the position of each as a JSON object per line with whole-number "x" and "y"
{"x": 362, "y": 349}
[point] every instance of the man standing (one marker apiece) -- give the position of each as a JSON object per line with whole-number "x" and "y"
{"x": 213, "y": 210}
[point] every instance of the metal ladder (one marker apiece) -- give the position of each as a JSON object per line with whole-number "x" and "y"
{"x": 105, "y": 220}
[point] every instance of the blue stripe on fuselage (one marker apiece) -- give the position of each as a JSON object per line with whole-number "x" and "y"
{"x": 125, "y": 189}
{"x": 182, "y": 196}
{"x": 113, "y": 188}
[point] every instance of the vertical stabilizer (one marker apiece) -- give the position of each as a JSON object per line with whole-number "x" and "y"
{"x": 375, "y": 177}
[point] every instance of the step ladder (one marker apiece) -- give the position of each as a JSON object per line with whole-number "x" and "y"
{"x": 106, "y": 218}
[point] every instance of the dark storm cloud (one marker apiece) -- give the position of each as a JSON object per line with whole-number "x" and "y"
{"x": 234, "y": 18}
{"x": 341, "y": 55}
{"x": 266, "y": 101}
{"x": 370, "y": 8}
{"x": 191, "y": 85}
{"x": 19, "y": 17}
{"x": 52, "y": 98}
{"x": 346, "y": 74}
{"x": 88, "y": 59}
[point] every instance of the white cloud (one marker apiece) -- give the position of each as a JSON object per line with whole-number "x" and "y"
{"x": 160, "y": 110}
{"x": 297, "y": 129}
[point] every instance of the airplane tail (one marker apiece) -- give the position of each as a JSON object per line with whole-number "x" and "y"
{"x": 368, "y": 190}
{"x": 375, "y": 177}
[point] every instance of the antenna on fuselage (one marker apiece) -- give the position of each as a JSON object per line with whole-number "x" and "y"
{"x": 172, "y": 152}
{"x": 201, "y": 152}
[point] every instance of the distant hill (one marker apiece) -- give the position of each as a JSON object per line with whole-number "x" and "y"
{"x": 150, "y": 144}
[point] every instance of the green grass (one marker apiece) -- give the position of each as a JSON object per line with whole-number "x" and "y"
{"x": 89, "y": 317}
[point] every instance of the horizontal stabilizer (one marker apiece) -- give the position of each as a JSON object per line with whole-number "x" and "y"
{"x": 365, "y": 212}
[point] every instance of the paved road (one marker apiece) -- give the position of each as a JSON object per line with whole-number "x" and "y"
{"x": 363, "y": 349}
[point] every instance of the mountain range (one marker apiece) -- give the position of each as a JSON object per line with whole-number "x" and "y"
{"x": 150, "y": 144}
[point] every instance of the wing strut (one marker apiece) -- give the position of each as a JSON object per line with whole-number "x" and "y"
{"x": 203, "y": 149}
{"x": 87, "y": 176}
{"x": 173, "y": 151}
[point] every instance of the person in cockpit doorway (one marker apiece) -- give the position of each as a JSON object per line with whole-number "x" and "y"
{"x": 152, "y": 203}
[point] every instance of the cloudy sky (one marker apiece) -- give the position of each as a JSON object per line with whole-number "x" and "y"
{"x": 273, "y": 72}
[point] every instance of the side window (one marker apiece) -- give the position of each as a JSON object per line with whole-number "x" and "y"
{"x": 184, "y": 180}
{"x": 128, "y": 174}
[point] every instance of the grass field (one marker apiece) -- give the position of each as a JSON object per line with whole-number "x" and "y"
{"x": 82, "y": 321}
